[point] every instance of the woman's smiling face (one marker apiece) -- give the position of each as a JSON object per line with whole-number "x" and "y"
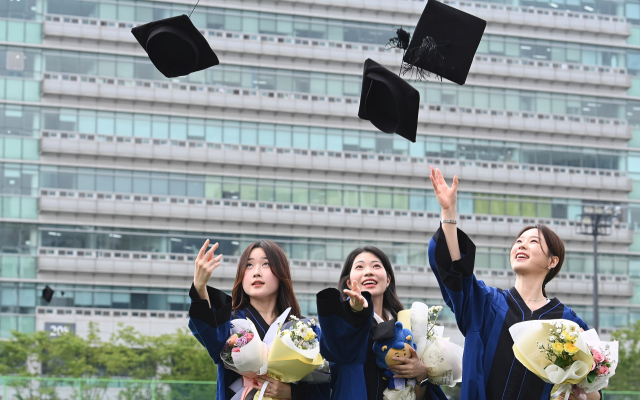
{"x": 529, "y": 254}
{"x": 367, "y": 270}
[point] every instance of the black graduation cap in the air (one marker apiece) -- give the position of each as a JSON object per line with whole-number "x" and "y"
{"x": 47, "y": 293}
{"x": 443, "y": 43}
{"x": 388, "y": 101}
{"x": 175, "y": 46}
{"x": 385, "y": 331}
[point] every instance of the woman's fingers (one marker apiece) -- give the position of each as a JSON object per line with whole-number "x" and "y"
{"x": 454, "y": 185}
{"x": 214, "y": 261}
{"x": 357, "y": 298}
{"x": 355, "y": 287}
{"x": 209, "y": 255}
{"x": 202, "y": 249}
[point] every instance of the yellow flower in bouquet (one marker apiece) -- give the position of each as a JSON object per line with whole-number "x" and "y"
{"x": 558, "y": 348}
{"x": 570, "y": 348}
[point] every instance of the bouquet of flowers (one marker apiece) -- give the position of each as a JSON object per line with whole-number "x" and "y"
{"x": 295, "y": 351}
{"x": 244, "y": 352}
{"x": 442, "y": 358}
{"x": 605, "y": 360}
{"x": 555, "y": 350}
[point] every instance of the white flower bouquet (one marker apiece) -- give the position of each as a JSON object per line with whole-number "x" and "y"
{"x": 442, "y": 358}
{"x": 295, "y": 351}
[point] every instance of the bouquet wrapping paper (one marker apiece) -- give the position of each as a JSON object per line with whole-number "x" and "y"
{"x": 603, "y": 353}
{"x": 530, "y": 336}
{"x": 443, "y": 358}
{"x": 249, "y": 360}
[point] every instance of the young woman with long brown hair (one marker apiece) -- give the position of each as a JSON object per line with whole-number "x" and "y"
{"x": 484, "y": 314}
{"x": 262, "y": 291}
{"x": 366, "y": 297}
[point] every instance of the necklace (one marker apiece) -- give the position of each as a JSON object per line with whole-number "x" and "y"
{"x": 536, "y": 299}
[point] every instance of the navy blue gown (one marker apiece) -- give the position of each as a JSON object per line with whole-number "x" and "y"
{"x": 347, "y": 343}
{"x": 484, "y": 315}
{"x": 210, "y": 325}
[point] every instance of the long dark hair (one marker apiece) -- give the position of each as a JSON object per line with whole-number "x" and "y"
{"x": 555, "y": 246}
{"x": 279, "y": 267}
{"x": 390, "y": 300}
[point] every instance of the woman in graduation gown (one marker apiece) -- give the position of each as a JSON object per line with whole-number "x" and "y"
{"x": 349, "y": 327}
{"x": 484, "y": 314}
{"x": 261, "y": 292}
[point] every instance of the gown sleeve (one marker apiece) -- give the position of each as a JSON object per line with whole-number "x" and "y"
{"x": 210, "y": 325}
{"x": 461, "y": 291}
{"x": 344, "y": 343}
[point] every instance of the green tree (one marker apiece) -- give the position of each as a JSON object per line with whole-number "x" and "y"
{"x": 128, "y": 354}
{"x": 628, "y": 369}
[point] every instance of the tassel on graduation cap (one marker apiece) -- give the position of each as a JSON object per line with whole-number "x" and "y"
{"x": 426, "y": 53}
{"x": 401, "y": 41}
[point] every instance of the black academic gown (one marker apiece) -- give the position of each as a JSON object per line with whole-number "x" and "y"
{"x": 211, "y": 325}
{"x": 347, "y": 343}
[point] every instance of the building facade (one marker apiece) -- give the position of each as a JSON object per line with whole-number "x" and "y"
{"x": 113, "y": 176}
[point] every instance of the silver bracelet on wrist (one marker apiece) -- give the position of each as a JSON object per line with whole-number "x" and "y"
{"x": 449, "y": 221}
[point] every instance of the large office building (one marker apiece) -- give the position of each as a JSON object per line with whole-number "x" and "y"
{"x": 113, "y": 175}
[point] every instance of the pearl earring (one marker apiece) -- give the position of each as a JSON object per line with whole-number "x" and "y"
{"x": 549, "y": 267}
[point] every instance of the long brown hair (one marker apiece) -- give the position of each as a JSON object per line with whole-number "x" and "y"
{"x": 555, "y": 246}
{"x": 390, "y": 299}
{"x": 279, "y": 267}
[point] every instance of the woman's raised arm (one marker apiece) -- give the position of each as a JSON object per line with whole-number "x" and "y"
{"x": 447, "y": 198}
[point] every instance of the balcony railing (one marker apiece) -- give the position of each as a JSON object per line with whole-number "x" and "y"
{"x": 327, "y": 154}
{"x": 188, "y": 93}
{"x": 229, "y": 39}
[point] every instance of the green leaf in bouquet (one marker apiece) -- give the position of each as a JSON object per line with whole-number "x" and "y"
{"x": 592, "y": 376}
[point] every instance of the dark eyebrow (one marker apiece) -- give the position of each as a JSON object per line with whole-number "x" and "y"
{"x": 263, "y": 258}
{"x": 374, "y": 261}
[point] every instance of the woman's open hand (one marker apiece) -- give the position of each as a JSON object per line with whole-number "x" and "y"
{"x": 447, "y": 196}
{"x": 205, "y": 264}
{"x": 356, "y": 299}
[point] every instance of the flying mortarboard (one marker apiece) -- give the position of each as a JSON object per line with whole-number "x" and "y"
{"x": 388, "y": 101}
{"x": 47, "y": 293}
{"x": 443, "y": 43}
{"x": 175, "y": 46}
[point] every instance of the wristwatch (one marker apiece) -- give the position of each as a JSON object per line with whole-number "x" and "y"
{"x": 424, "y": 382}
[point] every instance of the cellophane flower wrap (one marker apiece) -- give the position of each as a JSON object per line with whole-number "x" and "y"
{"x": 605, "y": 361}
{"x": 442, "y": 357}
{"x": 554, "y": 350}
{"x": 244, "y": 352}
{"x": 295, "y": 351}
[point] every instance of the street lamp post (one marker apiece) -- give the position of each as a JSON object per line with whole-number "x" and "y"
{"x": 596, "y": 221}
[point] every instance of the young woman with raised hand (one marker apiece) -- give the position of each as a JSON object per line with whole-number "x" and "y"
{"x": 349, "y": 315}
{"x": 262, "y": 291}
{"x": 484, "y": 314}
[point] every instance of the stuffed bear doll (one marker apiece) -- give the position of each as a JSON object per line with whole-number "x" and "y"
{"x": 392, "y": 340}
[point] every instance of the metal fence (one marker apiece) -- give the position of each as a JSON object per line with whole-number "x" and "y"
{"x": 30, "y": 388}
{"x": 36, "y": 388}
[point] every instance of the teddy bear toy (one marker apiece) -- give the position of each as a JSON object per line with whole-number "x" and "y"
{"x": 391, "y": 339}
